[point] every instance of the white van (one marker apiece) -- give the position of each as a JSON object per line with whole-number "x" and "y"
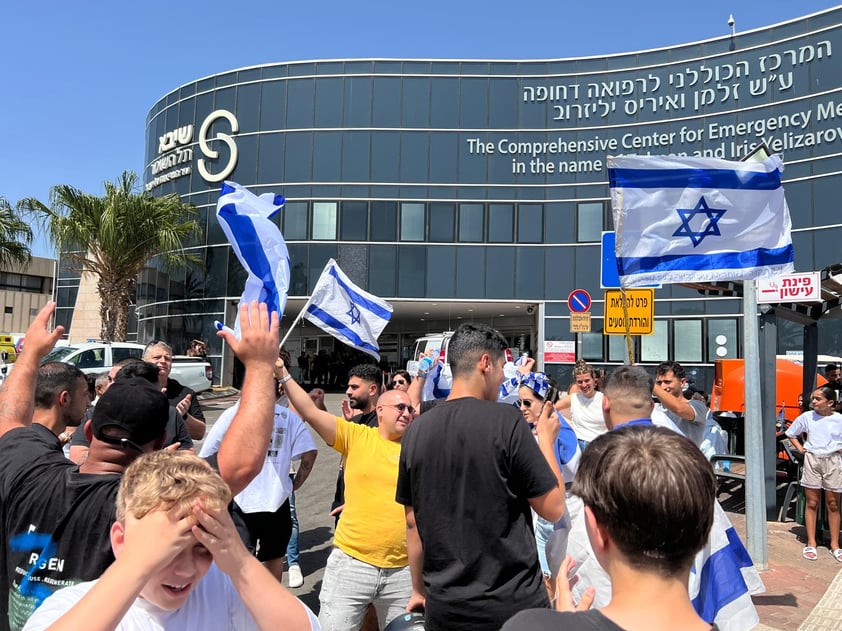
{"x": 440, "y": 341}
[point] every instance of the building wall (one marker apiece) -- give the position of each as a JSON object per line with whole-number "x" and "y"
{"x": 24, "y": 290}
{"x": 486, "y": 180}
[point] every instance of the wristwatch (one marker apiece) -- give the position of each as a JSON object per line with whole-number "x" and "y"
{"x": 285, "y": 379}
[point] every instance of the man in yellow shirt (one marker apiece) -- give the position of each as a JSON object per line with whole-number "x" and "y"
{"x": 369, "y": 563}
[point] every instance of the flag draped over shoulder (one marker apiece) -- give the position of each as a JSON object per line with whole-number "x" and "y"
{"x": 692, "y": 219}
{"x": 351, "y": 315}
{"x": 246, "y": 220}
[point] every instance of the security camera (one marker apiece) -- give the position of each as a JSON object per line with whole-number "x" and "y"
{"x": 731, "y": 21}
{"x": 530, "y": 310}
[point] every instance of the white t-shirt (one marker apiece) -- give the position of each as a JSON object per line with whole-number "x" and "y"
{"x": 214, "y": 605}
{"x": 694, "y": 430}
{"x": 824, "y": 433}
{"x": 586, "y": 416}
{"x": 272, "y": 486}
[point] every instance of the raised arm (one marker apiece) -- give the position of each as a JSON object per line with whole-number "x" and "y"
{"x": 677, "y": 405}
{"x": 551, "y": 505}
{"x": 323, "y": 422}
{"x": 17, "y": 395}
{"x": 243, "y": 450}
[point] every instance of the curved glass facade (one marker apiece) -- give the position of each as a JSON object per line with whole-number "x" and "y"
{"x": 484, "y": 182}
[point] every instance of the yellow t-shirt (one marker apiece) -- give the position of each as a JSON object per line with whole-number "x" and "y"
{"x": 372, "y": 527}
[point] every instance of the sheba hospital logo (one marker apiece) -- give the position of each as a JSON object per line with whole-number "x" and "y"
{"x": 175, "y": 150}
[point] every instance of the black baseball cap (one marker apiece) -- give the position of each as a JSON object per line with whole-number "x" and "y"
{"x": 135, "y": 406}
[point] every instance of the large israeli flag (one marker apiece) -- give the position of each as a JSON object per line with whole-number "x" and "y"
{"x": 246, "y": 220}
{"x": 351, "y": 315}
{"x": 691, "y": 219}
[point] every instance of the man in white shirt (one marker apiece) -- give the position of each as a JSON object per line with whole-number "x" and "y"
{"x": 688, "y": 416}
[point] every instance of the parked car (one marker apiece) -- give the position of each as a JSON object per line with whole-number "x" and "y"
{"x": 97, "y": 357}
{"x": 440, "y": 342}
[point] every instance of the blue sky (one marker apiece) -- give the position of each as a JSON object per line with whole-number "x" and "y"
{"x": 79, "y": 77}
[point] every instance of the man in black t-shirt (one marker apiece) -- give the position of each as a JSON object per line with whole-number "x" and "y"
{"x": 182, "y": 398}
{"x": 470, "y": 470}
{"x": 56, "y": 516}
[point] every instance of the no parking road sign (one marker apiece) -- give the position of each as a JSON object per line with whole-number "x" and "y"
{"x": 579, "y": 301}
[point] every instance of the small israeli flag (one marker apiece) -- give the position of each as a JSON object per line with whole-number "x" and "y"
{"x": 685, "y": 219}
{"x": 351, "y": 315}
{"x": 257, "y": 241}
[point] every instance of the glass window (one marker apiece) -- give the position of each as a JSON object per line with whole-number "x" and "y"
{"x": 618, "y": 350}
{"x": 530, "y": 223}
{"x": 471, "y": 222}
{"x": 412, "y": 222}
{"x": 354, "y": 221}
{"x": 441, "y": 222}
{"x": 272, "y": 105}
{"x": 473, "y": 104}
{"x": 722, "y": 339}
{"x": 441, "y": 277}
{"x": 248, "y": 105}
{"x": 356, "y": 152}
{"x": 387, "y": 102}
{"x": 384, "y": 221}
{"x": 298, "y": 153}
{"x": 470, "y": 272}
{"x": 300, "y": 103}
{"x": 298, "y": 269}
{"x": 357, "y": 104}
{"x": 592, "y": 346}
{"x": 499, "y": 280}
{"x": 411, "y": 266}
{"x": 295, "y": 221}
{"x": 443, "y": 154}
{"x": 326, "y": 156}
{"x": 382, "y": 270}
{"x": 329, "y": 102}
{"x": 385, "y": 156}
{"x": 589, "y": 224}
{"x": 500, "y": 223}
{"x": 530, "y": 273}
{"x": 687, "y": 340}
{"x": 503, "y": 114}
{"x": 445, "y": 98}
{"x": 324, "y": 221}
{"x": 655, "y": 347}
{"x": 319, "y": 256}
{"x": 416, "y": 102}
{"x": 558, "y": 263}
{"x": 270, "y": 158}
{"x": 414, "y": 156}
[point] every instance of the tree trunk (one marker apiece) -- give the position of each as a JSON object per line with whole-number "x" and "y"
{"x": 115, "y": 299}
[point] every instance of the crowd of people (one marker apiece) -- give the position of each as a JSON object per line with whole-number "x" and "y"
{"x": 474, "y": 512}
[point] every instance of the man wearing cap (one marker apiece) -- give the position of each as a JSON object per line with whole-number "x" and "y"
{"x": 55, "y": 515}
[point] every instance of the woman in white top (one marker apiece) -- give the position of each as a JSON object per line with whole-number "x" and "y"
{"x": 584, "y": 405}
{"x": 822, "y": 466}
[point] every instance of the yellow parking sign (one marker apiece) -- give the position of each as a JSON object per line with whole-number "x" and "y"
{"x": 639, "y": 309}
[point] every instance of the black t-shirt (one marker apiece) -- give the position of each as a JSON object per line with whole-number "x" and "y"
{"x": 176, "y": 392}
{"x": 56, "y": 522}
{"x": 176, "y": 432}
{"x": 546, "y": 620}
{"x": 468, "y": 468}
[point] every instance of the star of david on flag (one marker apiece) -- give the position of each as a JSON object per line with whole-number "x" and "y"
{"x": 351, "y": 315}
{"x": 691, "y": 219}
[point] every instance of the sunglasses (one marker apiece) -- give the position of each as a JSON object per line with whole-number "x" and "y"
{"x": 524, "y": 403}
{"x": 398, "y": 382}
{"x": 403, "y": 407}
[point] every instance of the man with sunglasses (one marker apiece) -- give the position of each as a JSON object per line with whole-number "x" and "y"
{"x": 369, "y": 562}
{"x": 55, "y": 516}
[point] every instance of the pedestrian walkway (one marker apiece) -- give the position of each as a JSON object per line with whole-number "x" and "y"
{"x": 795, "y": 587}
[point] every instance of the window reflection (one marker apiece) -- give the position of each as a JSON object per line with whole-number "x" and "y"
{"x": 324, "y": 221}
{"x": 412, "y": 222}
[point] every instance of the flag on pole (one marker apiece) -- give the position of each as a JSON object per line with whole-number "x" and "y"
{"x": 693, "y": 219}
{"x": 246, "y": 220}
{"x": 351, "y": 315}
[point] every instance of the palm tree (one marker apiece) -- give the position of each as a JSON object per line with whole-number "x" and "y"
{"x": 114, "y": 236}
{"x": 15, "y": 236}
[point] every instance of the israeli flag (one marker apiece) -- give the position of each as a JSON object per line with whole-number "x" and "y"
{"x": 351, "y": 315}
{"x": 685, "y": 219}
{"x": 438, "y": 383}
{"x": 257, "y": 241}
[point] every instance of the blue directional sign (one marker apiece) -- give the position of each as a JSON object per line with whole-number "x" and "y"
{"x": 579, "y": 301}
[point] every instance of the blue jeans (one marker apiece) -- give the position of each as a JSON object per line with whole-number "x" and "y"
{"x": 292, "y": 546}
{"x": 349, "y": 585}
{"x": 543, "y": 530}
